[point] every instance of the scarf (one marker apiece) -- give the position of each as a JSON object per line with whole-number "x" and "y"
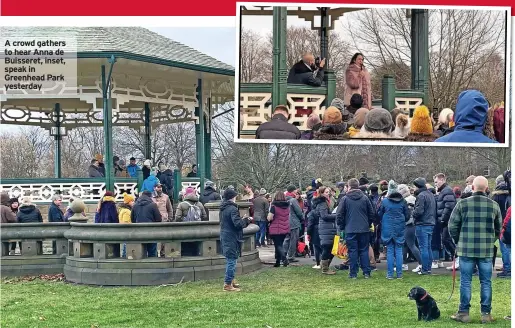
{"x": 354, "y": 69}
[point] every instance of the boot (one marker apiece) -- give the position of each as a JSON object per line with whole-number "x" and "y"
{"x": 486, "y": 318}
{"x": 230, "y": 288}
{"x": 461, "y": 317}
{"x": 326, "y": 269}
{"x": 235, "y": 284}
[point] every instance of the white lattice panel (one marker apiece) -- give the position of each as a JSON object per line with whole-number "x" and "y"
{"x": 43, "y": 192}
{"x": 313, "y": 102}
{"x": 407, "y": 104}
{"x": 195, "y": 185}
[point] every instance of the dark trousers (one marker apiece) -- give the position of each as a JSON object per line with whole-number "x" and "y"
{"x": 318, "y": 252}
{"x": 448, "y": 243}
{"x": 150, "y": 249}
{"x": 280, "y": 254}
{"x": 358, "y": 244}
{"x": 327, "y": 253}
{"x": 377, "y": 241}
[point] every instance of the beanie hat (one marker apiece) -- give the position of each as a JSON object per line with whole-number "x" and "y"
{"x": 363, "y": 181}
{"x": 356, "y": 101}
{"x": 338, "y": 103}
{"x": 340, "y": 184}
{"x": 313, "y": 120}
{"x": 421, "y": 121}
{"x": 443, "y": 117}
{"x": 359, "y": 117}
{"x": 127, "y": 198}
{"x": 378, "y": 120}
{"x": 146, "y": 162}
{"x": 392, "y": 187}
{"x": 230, "y": 194}
{"x": 457, "y": 191}
{"x": 420, "y": 182}
{"x": 190, "y": 190}
{"x": 332, "y": 115}
{"x": 209, "y": 184}
{"x": 109, "y": 194}
{"x": 403, "y": 190}
{"x": 499, "y": 180}
{"x": 373, "y": 188}
{"x": 383, "y": 185}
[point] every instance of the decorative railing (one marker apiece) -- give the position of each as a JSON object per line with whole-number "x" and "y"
{"x": 88, "y": 189}
{"x": 190, "y": 182}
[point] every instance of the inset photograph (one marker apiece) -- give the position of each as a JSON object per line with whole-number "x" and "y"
{"x": 346, "y": 75}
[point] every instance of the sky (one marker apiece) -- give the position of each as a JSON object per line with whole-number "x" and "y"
{"x": 217, "y": 42}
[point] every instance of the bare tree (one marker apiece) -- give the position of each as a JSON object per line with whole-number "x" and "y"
{"x": 255, "y": 62}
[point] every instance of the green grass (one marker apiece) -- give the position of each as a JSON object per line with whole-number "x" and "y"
{"x": 284, "y": 297}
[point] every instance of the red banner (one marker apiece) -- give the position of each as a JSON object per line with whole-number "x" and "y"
{"x": 179, "y": 8}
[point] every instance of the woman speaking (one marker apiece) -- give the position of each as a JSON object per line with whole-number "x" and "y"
{"x": 357, "y": 80}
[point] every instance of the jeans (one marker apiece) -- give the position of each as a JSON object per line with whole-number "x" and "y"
{"x": 467, "y": 265}
{"x": 280, "y": 254}
{"x": 424, "y": 234}
{"x": 409, "y": 235}
{"x": 261, "y": 234}
{"x": 124, "y": 250}
{"x": 290, "y": 243}
{"x": 230, "y": 270}
{"x": 150, "y": 249}
{"x": 357, "y": 244}
{"x": 394, "y": 250}
{"x": 506, "y": 257}
{"x": 437, "y": 254}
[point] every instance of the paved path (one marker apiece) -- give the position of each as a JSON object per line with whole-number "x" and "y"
{"x": 267, "y": 256}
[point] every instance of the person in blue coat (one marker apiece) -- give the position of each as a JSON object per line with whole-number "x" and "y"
{"x": 470, "y": 118}
{"x": 107, "y": 212}
{"x": 150, "y": 183}
{"x": 231, "y": 236}
{"x": 394, "y": 213}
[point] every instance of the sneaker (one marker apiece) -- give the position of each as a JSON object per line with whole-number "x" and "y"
{"x": 399, "y": 277}
{"x": 230, "y": 288}
{"x": 461, "y": 317}
{"x": 316, "y": 267}
{"x": 373, "y": 268}
{"x": 434, "y": 265}
{"x": 405, "y": 267}
{"x": 417, "y": 269}
{"x": 353, "y": 277}
{"x": 440, "y": 264}
{"x": 424, "y": 273}
{"x": 486, "y": 318}
{"x": 293, "y": 260}
{"x": 504, "y": 275}
{"x": 366, "y": 276}
{"x": 235, "y": 284}
{"x": 457, "y": 264}
{"x": 389, "y": 277}
{"x": 508, "y": 317}
{"x": 285, "y": 263}
{"x": 277, "y": 265}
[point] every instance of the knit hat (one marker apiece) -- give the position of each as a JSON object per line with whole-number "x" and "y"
{"x": 392, "y": 187}
{"x": 127, "y": 198}
{"x": 147, "y": 162}
{"x": 262, "y": 191}
{"x": 109, "y": 194}
{"x": 383, "y": 185}
{"x": 499, "y": 180}
{"x": 403, "y": 190}
{"x": 153, "y": 171}
{"x": 313, "y": 120}
{"x": 356, "y": 101}
{"x": 332, "y": 115}
{"x": 363, "y": 181}
{"x": 457, "y": 191}
{"x": 373, "y": 187}
{"x": 209, "y": 184}
{"x": 99, "y": 157}
{"x": 340, "y": 184}
{"x": 189, "y": 191}
{"x": 338, "y": 103}
{"x": 445, "y": 116}
{"x": 26, "y": 201}
{"x": 230, "y": 194}
{"x": 421, "y": 121}
{"x": 359, "y": 117}
{"x": 420, "y": 182}
{"x": 378, "y": 120}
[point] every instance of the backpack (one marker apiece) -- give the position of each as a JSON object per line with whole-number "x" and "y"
{"x": 193, "y": 213}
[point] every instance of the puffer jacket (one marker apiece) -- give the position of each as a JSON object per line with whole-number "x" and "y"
{"x": 280, "y": 224}
{"x": 231, "y": 229}
{"x": 424, "y": 213}
{"x": 445, "y": 202}
{"x": 5, "y": 209}
{"x": 312, "y": 229}
{"x": 29, "y": 214}
{"x": 326, "y": 220}
{"x": 184, "y": 206}
{"x": 395, "y": 213}
{"x": 124, "y": 213}
{"x": 278, "y": 128}
{"x": 355, "y": 212}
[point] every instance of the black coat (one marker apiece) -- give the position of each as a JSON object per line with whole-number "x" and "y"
{"x": 424, "y": 213}
{"x": 28, "y": 214}
{"x": 166, "y": 179}
{"x": 278, "y": 128}
{"x": 209, "y": 195}
{"x": 331, "y": 132}
{"x": 146, "y": 172}
{"x": 445, "y": 202}
{"x": 326, "y": 221}
{"x": 231, "y": 229}
{"x": 302, "y": 74}
{"x": 355, "y": 212}
{"x": 501, "y": 195}
{"x": 145, "y": 211}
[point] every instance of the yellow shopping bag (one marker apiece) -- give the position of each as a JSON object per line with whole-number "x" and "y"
{"x": 340, "y": 248}
{"x": 336, "y": 242}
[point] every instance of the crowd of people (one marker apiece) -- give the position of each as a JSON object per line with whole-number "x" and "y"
{"x": 354, "y": 117}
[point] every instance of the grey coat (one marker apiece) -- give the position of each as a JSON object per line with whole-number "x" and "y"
{"x": 296, "y": 215}
{"x": 261, "y": 207}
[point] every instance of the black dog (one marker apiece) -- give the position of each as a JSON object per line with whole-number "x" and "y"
{"x": 426, "y": 305}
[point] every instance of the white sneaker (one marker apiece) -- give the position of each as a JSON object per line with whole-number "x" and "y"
{"x": 316, "y": 267}
{"x": 457, "y": 264}
{"x": 440, "y": 264}
{"x": 417, "y": 269}
{"x": 405, "y": 267}
{"x": 434, "y": 265}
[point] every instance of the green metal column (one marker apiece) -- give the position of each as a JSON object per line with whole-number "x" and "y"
{"x": 108, "y": 133}
{"x": 58, "y": 142}
{"x": 388, "y": 88}
{"x": 207, "y": 141}
{"x": 177, "y": 185}
{"x": 279, "y": 69}
{"x": 147, "y": 142}
{"x": 420, "y": 51}
{"x": 330, "y": 77}
{"x": 200, "y": 137}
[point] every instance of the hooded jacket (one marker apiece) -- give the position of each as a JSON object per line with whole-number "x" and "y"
{"x": 501, "y": 195}
{"x": 395, "y": 213}
{"x": 149, "y": 183}
{"x": 355, "y": 212}
{"x": 145, "y": 210}
{"x": 108, "y": 212}
{"x": 124, "y": 213}
{"x": 296, "y": 214}
{"x": 445, "y": 202}
{"x": 470, "y": 117}
{"x": 184, "y": 206}
{"x": 209, "y": 195}
{"x": 424, "y": 213}
{"x": 28, "y": 214}
{"x": 166, "y": 179}
{"x": 5, "y": 210}
{"x": 326, "y": 220}
{"x": 280, "y": 224}
{"x": 231, "y": 229}
{"x": 278, "y": 128}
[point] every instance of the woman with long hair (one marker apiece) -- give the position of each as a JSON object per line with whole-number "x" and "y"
{"x": 326, "y": 226}
{"x": 357, "y": 81}
{"x": 279, "y": 218}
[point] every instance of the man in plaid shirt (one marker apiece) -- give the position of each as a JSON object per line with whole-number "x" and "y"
{"x": 475, "y": 225}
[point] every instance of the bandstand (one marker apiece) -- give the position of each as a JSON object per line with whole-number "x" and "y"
{"x": 126, "y": 77}
{"x": 256, "y": 100}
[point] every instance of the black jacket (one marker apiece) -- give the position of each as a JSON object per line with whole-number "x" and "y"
{"x": 28, "y": 214}
{"x": 145, "y": 211}
{"x": 278, "y": 128}
{"x": 501, "y": 195}
{"x": 445, "y": 202}
{"x": 209, "y": 195}
{"x": 331, "y": 132}
{"x": 326, "y": 220}
{"x": 302, "y": 74}
{"x": 166, "y": 179}
{"x": 231, "y": 229}
{"x": 424, "y": 212}
{"x": 355, "y": 212}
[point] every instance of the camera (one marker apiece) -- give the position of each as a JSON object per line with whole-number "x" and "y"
{"x": 317, "y": 62}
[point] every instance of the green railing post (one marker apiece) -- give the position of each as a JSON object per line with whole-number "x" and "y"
{"x": 140, "y": 178}
{"x": 331, "y": 86}
{"x": 147, "y": 142}
{"x": 207, "y": 142}
{"x": 200, "y": 136}
{"x": 279, "y": 69}
{"x": 388, "y": 87}
{"x": 58, "y": 141}
{"x": 108, "y": 133}
{"x": 177, "y": 185}
{"x": 420, "y": 51}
